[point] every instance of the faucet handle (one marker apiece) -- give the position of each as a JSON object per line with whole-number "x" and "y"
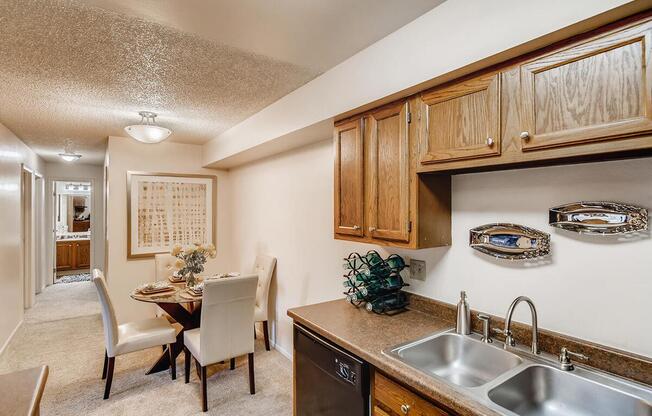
{"x": 565, "y": 360}
{"x": 498, "y": 331}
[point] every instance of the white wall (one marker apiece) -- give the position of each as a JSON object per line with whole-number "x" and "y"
{"x": 589, "y": 284}
{"x": 124, "y": 155}
{"x": 453, "y": 35}
{"x": 79, "y": 171}
{"x": 13, "y": 152}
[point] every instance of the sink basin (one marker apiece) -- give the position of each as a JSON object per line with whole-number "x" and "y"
{"x": 458, "y": 359}
{"x": 543, "y": 391}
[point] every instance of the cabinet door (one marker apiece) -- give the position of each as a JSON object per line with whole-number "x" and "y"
{"x": 64, "y": 256}
{"x": 388, "y": 175}
{"x": 349, "y": 178}
{"x": 597, "y": 90}
{"x": 83, "y": 254}
{"x": 461, "y": 121}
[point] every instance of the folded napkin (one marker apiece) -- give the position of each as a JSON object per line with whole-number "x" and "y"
{"x": 223, "y": 275}
{"x": 197, "y": 290}
{"x": 154, "y": 287}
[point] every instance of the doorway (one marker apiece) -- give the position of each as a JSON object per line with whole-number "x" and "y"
{"x": 72, "y": 231}
{"x": 33, "y": 265}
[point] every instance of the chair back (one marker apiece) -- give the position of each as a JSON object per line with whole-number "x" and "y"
{"x": 264, "y": 268}
{"x": 108, "y": 313}
{"x": 227, "y": 318}
{"x": 164, "y": 264}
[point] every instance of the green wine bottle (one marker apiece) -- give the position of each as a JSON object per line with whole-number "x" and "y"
{"x": 355, "y": 297}
{"x": 387, "y": 303}
{"x": 395, "y": 262}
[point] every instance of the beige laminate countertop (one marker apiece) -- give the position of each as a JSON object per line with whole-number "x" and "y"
{"x": 367, "y": 334}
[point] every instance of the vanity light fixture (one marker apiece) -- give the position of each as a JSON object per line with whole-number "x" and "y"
{"x": 147, "y": 131}
{"x": 69, "y": 154}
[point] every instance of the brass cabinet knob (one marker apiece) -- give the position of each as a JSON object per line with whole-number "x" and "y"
{"x": 525, "y": 135}
{"x": 490, "y": 141}
{"x": 356, "y": 227}
{"x": 372, "y": 229}
{"x": 405, "y": 409}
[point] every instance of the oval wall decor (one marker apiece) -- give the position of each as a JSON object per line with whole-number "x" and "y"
{"x": 510, "y": 241}
{"x": 599, "y": 218}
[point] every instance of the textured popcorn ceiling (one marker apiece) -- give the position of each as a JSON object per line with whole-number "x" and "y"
{"x": 70, "y": 69}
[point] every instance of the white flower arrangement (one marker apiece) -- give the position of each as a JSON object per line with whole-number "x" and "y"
{"x": 191, "y": 260}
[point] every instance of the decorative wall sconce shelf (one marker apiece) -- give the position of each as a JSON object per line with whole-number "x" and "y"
{"x": 599, "y": 218}
{"x": 510, "y": 241}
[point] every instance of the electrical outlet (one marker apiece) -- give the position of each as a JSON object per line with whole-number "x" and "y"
{"x": 417, "y": 269}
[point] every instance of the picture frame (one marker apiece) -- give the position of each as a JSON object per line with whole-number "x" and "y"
{"x": 164, "y": 209}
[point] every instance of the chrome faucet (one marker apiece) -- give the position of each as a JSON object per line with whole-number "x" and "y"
{"x": 509, "y": 339}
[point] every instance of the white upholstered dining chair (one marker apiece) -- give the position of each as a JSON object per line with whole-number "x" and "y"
{"x": 264, "y": 268}
{"x": 129, "y": 337}
{"x": 164, "y": 266}
{"x": 227, "y": 316}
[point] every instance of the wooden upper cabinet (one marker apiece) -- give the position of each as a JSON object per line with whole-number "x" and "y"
{"x": 349, "y": 178}
{"x": 597, "y": 90}
{"x": 388, "y": 173}
{"x": 461, "y": 121}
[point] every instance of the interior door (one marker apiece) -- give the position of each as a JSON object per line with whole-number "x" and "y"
{"x": 461, "y": 121}
{"x": 597, "y": 90}
{"x": 389, "y": 169}
{"x": 349, "y": 179}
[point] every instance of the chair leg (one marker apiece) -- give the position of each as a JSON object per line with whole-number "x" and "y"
{"x": 198, "y": 369}
{"x": 232, "y": 363}
{"x": 173, "y": 362}
{"x": 252, "y": 382}
{"x": 204, "y": 400}
{"x": 106, "y": 361}
{"x": 186, "y": 363}
{"x": 266, "y": 334}
{"x": 109, "y": 377}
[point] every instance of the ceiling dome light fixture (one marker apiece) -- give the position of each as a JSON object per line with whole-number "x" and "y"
{"x": 69, "y": 154}
{"x": 147, "y": 131}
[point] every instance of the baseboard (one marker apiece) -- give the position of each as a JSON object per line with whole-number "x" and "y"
{"x": 11, "y": 336}
{"x": 283, "y": 352}
{"x": 272, "y": 342}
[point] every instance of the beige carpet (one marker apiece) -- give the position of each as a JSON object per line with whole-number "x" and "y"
{"x": 64, "y": 331}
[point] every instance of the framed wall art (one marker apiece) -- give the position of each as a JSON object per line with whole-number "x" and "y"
{"x": 165, "y": 209}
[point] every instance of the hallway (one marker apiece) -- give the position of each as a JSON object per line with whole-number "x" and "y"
{"x": 64, "y": 331}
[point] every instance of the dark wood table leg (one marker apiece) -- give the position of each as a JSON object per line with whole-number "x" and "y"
{"x": 188, "y": 320}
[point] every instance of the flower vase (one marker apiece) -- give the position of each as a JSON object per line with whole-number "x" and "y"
{"x": 191, "y": 280}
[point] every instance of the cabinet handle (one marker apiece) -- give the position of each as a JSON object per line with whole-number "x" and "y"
{"x": 372, "y": 229}
{"x": 356, "y": 227}
{"x": 490, "y": 141}
{"x": 405, "y": 409}
{"x": 525, "y": 135}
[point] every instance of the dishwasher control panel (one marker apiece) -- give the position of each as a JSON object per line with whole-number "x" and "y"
{"x": 344, "y": 371}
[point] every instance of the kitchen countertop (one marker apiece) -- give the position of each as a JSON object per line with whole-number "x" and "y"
{"x": 367, "y": 334}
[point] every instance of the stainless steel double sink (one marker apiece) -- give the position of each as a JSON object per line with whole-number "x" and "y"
{"x": 517, "y": 382}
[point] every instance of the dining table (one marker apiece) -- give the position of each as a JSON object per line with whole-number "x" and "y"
{"x": 183, "y": 306}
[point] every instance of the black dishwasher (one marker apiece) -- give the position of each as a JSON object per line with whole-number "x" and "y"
{"x": 328, "y": 380}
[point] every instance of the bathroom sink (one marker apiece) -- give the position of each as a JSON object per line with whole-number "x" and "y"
{"x": 460, "y": 360}
{"x": 545, "y": 391}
